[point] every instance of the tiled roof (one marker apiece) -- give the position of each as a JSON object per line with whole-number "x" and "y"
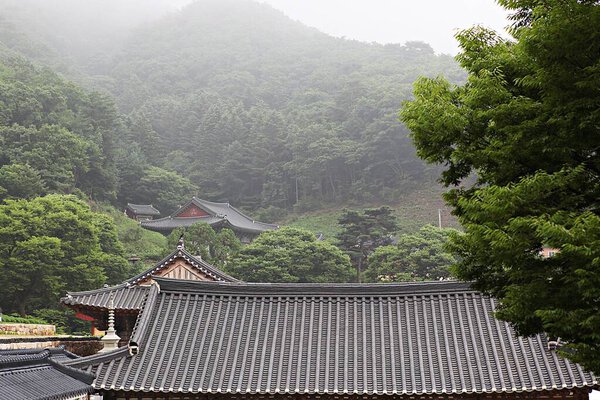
{"x": 126, "y": 297}
{"x": 167, "y": 224}
{"x": 129, "y": 295}
{"x": 143, "y": 209}
{"x": 220, "y": 213}
{"x": 58, "y": 354}
{"x": 412, "y": 338}
{"x": 36, "y": 374}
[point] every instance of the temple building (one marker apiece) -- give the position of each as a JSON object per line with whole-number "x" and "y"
{"x": 234, "y": 340}
{"x": 141, "y": 212}
{"x": 217, "y": 215}
{"x": 129, "y": 296}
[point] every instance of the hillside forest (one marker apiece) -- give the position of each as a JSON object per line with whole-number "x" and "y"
{"x": 104, "y": 103}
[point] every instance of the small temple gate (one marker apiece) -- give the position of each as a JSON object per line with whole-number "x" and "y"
{"x": 129, "y": 296}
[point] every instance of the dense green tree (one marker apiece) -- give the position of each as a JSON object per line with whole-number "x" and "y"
{"x": 527, "y": 124}
{"x": 166, "y": 190}
{"x": 291, "y": 255}
{"x": 363, "y": 232}
{"x": 65, "y": 134}
{"x": 20, "y": 181}
{"x": 51, "y": 244}
{"x": 227, "y": 246}
{"x": 418, "y": 256}
{"x": 59, "y": 155}
{"x": 200, "y": 239}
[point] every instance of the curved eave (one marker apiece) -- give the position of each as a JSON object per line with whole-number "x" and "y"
{"x": 256, "y": 231}
{"x": 168, "y": 224}
{"x": 410, "y": 394}
{"x": 126, "y": 298}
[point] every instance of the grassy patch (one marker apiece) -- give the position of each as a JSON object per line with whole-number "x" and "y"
{"x": 325, "y": 222}
{"x": 149, "y": 246}
{"x": 414, "y": 210}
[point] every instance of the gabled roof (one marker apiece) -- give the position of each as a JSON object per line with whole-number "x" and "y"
{"x": 195, "y": 262}
{"x": 143, "y": 209}
{"x": 32, "y": 374}
{"x": 430, "y": 338}
{"x": 219, "y": 213}
{"x": 130, "y": 295}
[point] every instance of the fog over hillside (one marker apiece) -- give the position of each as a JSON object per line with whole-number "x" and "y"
{"x": 236, "y": 98}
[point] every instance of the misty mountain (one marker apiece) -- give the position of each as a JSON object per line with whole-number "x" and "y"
{"x": 249, "y": 105}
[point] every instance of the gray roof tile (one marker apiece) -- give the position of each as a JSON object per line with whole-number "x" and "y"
{"x": 417, "y": 339}
{"x": 32, "y": 374}
{"x": 126, "y": 297}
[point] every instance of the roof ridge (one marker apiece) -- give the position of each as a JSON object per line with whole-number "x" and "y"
{"x": 240, "y": 288}
{"x": 21, "y": 360}
{"x": 99, "y": 290}
{"x": 143, "y": 319}
{"x": 74, "y": 373}
{"x": 211, "y": 202}
{"x": 97, "y": 358}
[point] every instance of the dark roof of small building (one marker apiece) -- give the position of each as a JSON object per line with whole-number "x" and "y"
{"x": 412, "y": 338}
{"x": 143, "y": 209}
{"x": 129, "y": 295}
{"x": 31, "y": 374}
{"x": 219, "y": 213}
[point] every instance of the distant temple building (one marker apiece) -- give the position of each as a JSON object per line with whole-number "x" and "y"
{"x": 141, "y": 212}
{"x": 217, "y": 215}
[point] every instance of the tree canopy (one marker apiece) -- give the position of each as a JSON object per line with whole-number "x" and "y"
{"x": 307, "y": 120}
{"x": 52, "y": 244}
{"x": 414, "y": 257}
{"x": 527, "y": 126}
{"x": 217, "y": 248}
{"x": 291, "y": 255}
{"x": 363, "y": 232}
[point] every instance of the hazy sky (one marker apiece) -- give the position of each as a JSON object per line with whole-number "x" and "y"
{"x": 396, "y": 21}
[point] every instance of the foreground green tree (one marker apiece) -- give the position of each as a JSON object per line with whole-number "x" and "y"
{"x": 363, "y": 232}
{"x": 52, "y": 244}
{"x": 415, "y": 257}
{"x": 291, "y": 255}
{"x": 527, "y": 124}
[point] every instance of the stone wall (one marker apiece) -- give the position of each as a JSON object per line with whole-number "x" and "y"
{"x": 82, "y": 346}
{"x": 27, "y": 329}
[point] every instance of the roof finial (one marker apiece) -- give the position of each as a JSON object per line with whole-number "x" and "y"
{"x": 180, "y": 243}
{"x": 111, "y": 339}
